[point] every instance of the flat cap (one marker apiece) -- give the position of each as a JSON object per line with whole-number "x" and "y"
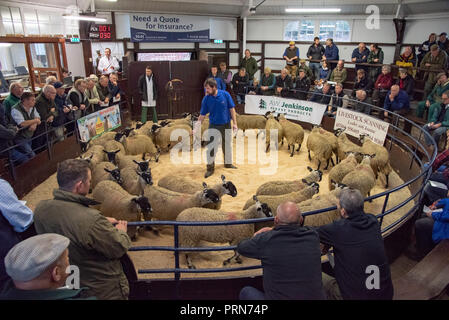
{"x": 434, "y": 47}
{"x": 30, "y": 258}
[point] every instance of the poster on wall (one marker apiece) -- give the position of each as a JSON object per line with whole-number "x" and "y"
{"x": 356, "y": 123}
{"x": 95, "y": 124}
{"x": 300, "y": 110}
{"x": 168, "y": 28}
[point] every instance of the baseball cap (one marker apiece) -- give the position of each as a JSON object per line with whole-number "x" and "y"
{"x": 58, "y": 85}
{"x": 291, "y": 42}
{"x": 30, "y": 258}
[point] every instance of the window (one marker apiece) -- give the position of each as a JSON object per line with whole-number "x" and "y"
{"x": 337, "y": 30}
{"x": 307, "y": 30}
{"x": 291, "y": 31}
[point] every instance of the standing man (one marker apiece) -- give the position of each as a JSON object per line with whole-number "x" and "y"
{"x": 46, "y": 107}
{"x": 108, "y": 64}
{"x": 96, "y": 246}
{"x": 315, "y": 52}
{"x": 331, "y": 53}
{"x": 290, "y": 255}
{"x": 435, "y": 60}
{"x": 148, "y": 90}
{"x": 443, "y": 42}
{"x": 376, "y": 56}
{"x": 358, "y": 250}
{"x": 219, "y": 105}
{"x": 291, "y": 56}
{"x": 250, "y": 64}
{"x": 360, "y": 55}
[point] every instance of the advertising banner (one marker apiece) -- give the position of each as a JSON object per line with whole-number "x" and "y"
{"x": 95, "y": 124}
{"x": 168, "y": 28}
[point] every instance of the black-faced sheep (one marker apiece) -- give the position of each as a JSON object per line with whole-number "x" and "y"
{"x": 345, "y": 145}
{"x": 134, "y": 180}
{"x": 362, "y": 177}
{"x": 272, "y": 125}
{"x": 105, "y": 171}
{"x": 274, "y": 201}
{"x": 381, "y": 160}
{"x": 190, "y": 237}
{"x": 293, "y": 132}
{"x": 279, "y": 187}
{"x": 119, "y": 204}
{"x": 94, "y": 155}
{"x": 321, "y": 148}
{"x": 124, "y": 161}
{"x": 345, "y": 166}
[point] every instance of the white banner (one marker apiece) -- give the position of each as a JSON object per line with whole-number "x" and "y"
{"x": 356, "y": 123}
{"x": 300, "y": 110}
{"x": 95, "y": 124}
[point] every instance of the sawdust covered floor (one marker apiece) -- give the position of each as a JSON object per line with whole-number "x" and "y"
{"x": 247, "y": 178}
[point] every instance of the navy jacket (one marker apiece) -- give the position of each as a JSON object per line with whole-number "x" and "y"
{"x": 331, "y": 53}
{"x": 361, "y": 57}
{"x": 401, "y": 101}
{"x": 61, "y": 118}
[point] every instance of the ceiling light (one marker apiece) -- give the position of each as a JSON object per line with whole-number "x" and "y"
{"x": 84, "y": 18}
{"x": 312, "y": 10}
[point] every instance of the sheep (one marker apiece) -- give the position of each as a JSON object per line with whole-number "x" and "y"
{"x": 101, "y": 140}
{"x": 247, "y": 121}
{"x": 272, "y": 124}
{"x": 345, "y": 145}
{"x": 286, "y": 186}
{"x": 114, "y": 145}
{"x": 332, "y": 139}
{"x": 345, "y": 166}
{"x": 119, "y": 204}
{"x": 381, "y": 161}
{"x": 161, "y": 136}
{"x": 322, "y": 201}
{"x": 293, "y": 132}
{"x": 274, "y": 201}
{"x": 362, "y": 177}
{"x": 186, "y": 119}
{"x": 142, "y": 129}
{"x": 137, "y": 144}
{"x": 190, "y": 237}
{"x": 111, "y": 156}
{"x": 124, "y": 161}
{"x": 168, "y": 204}
{"x": 93, "y": 155}
{"x": 105, "y": 171}
{"x": 135, "y": 181}
{"x": 184, "y": 185}
{"x": 321, "y": 148}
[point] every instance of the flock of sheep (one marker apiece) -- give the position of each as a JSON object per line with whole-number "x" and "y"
{"x": 122, "y": 181}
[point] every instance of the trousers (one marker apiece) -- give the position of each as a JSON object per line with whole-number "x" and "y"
{"x": 224, "y": 139}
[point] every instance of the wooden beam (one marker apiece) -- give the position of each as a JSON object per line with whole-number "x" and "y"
{"x": 30, "y": 65}
{"x": 399, "y": 25}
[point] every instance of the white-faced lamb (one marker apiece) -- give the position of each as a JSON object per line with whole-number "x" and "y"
{"x": 272, "y": 125}
{"x": 321, "y": 148}
{"x": 191, "y": 236}
{"x": 119, "y": 204}
{"x": 293, "y": 132}
{"x": 362, "y": 177}
{"x": 279, "y": 187}
{"x": 381, "y": 160}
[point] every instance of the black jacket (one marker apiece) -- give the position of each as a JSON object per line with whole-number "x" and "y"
{"x": 358, "y": 244}
{"x": 365, "y": 83}
{"x": 285, "y": 83}
{"x": 243, "y": 82}
{"x": 316, "y": 52}
{"x": 337, "y": 100}
{"x": 142, "y": 85}
{"x": 8, "y": 239}
{"x": 7, "y": 132}
{"x": 408, "y": 85}
{"x": 303, "y": 84}
{"x": 291, "y": 260}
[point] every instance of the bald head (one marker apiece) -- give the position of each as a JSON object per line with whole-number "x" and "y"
{"x": 288, "y": 213}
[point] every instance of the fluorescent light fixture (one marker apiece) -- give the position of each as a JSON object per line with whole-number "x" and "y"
{"x": 84, "y": 18}
{"x": 312, "y": 10}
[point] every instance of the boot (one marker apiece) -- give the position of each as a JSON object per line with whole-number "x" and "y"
{"x": 230, "y": 166}
{"x": 209, "y": 171}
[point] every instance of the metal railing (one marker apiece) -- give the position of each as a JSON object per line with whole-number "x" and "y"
{"x": 413, "y": 153}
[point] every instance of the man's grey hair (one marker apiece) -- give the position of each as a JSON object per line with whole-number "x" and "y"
{"x": 50, "y": 80}
{"x": 14, "y": 85}
{"x": 352, "y": 201}
{"x": 47, "y": 88}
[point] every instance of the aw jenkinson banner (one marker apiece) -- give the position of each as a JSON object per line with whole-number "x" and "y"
{"x": 168, "y": 28}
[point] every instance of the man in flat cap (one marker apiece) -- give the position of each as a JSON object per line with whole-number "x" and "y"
{"x": 96, "y": 246}
{"x": 435, "y": 61}
{"x": 291, "y": 57}
{"x": 37, "y": 267}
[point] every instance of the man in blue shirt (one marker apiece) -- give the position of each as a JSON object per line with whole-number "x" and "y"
{"x": 360, "y": 55}
{"x": 331, "y": 53}
{"x": 397, "y": 101}
{"x": 220, "y": 107}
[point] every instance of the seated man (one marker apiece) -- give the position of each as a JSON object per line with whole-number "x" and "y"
{"x": 338, "y": 100}
{"x": 38, "y": 269}
{"x": 302, "y": 85}
{"x": 362, "y": 82}
{"x": 240, "y": 81}
{"x": 434, "y": 98}
{"x": 362, "y": 102}
{"x": 339, "y": 74}
{"x": 323, "y": 95}
{"x": 382, "y": 86}
{"x": 114, "y": 89}
{"x": 307, "y": 70}
{"x": 406, "y": 82}
{"x": 439, "y": 121}
{"x": 267, "y": 83}
{"x": 283, "y": 84}
{"x": 96, "y": 246}
{"x": 103, "y": 91}
{"x": 358, "y": 247}
{"x": 290, "y": 255}
{"x": 397, "y": 101}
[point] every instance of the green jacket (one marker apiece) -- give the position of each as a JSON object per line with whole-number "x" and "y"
{"x": 438, "y": 64}
{"x": 339, "y": 76}
{"x": 103, "y": 92}
{"x": 8, "y": 104}
{"x": 44, "y": 106}
{"x": 437, "y": 92}
{"x": 308, "y": 71}
{"x": 379, "y": 55}
{"x": 250, "y": 65}
{"x": 436, "y": 113}
{"x": 96, "y": 246}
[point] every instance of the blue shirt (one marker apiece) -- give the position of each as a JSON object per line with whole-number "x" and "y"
{"x": 218, "y": 107}
{"x": 221, "y": 85}
{"x": 441, "y": 225}
{"x": 18, "y": 215}
{"x": 401, "y": 101}
{"x": 331, "y": 53}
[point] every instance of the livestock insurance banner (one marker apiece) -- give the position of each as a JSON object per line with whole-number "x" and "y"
{"x": 356, "y": 123}
{"x": 305, "y": 111}
{"x": 168, "y": 28}
{"x": 95, "y": 124}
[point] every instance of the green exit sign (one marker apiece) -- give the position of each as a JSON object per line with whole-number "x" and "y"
{"x": 218, "y": 41}
{"x": 74, "y": 39}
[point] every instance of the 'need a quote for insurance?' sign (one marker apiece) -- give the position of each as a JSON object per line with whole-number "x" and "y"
{"x": 300, "y": 110}
{"x": 356, "y": 123}
{"x": 156, "y": 27}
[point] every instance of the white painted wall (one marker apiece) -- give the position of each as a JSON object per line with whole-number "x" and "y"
{"x": 75, "y": 59}
{"x": 417, "y": 31}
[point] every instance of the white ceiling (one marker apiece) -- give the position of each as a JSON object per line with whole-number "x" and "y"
{"x": 236, "y": 7}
